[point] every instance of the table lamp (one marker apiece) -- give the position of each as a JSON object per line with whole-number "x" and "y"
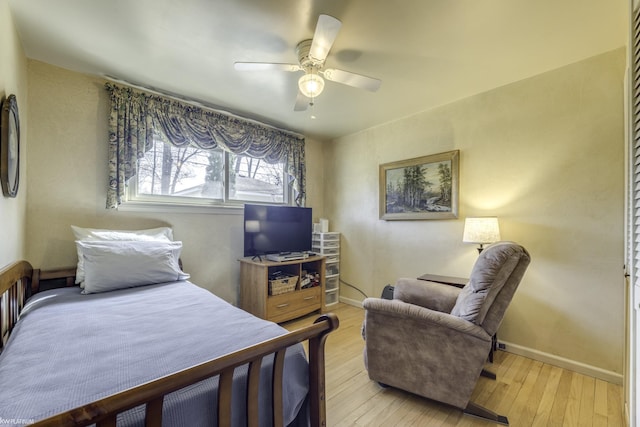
{"x": 481, "y": 230}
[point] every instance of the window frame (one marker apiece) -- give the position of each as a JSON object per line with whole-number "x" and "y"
{"x": 165, "y": 203}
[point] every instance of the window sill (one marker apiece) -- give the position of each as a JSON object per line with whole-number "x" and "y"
{"x": 156, "y": 207}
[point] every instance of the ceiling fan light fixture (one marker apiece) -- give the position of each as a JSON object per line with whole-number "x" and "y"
{"x": 311, "y": 54}
{"x": 311, "y": 85}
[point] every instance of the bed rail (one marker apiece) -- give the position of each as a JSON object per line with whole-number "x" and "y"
{"x": 19, "y": 280}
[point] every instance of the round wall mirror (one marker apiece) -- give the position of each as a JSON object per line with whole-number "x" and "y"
{"x": 10, "y": 147}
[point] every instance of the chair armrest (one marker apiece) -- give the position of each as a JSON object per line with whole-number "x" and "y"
{"x": 436, "y": 296}
{"x": 405, "y": 312}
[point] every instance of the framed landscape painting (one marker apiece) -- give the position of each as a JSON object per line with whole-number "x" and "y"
{"x": 421, "y": 188}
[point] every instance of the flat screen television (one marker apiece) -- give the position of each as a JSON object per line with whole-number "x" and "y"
{"x": 270, "y": 229}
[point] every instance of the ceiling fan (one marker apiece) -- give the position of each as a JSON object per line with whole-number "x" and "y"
{"x": 311, "y": 57}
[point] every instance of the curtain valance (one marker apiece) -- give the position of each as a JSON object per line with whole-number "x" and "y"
{"x": 137, "y": 116}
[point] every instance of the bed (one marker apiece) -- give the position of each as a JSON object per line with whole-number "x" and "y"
{"x": 169, "y": 354}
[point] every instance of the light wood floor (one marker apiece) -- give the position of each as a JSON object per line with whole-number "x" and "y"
{"x": 528, "y": 392}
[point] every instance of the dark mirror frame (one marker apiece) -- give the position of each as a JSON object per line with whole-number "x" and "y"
{"x": 10, "y": 166}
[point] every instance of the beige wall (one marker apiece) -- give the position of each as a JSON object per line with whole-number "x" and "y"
{"x": 13, "y": 81}
{"x": 545, "y": 155}
{"x": 68, "y": 178}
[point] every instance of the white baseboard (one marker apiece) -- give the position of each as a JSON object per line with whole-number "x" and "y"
{"x": 627, "y": 411}
{"x": 572, "y": 365}
{"x": 353, "y": 302}
{"x": 551, "y": 359}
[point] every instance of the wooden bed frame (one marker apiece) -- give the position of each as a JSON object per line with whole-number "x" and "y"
{"x": 19, "y": 280}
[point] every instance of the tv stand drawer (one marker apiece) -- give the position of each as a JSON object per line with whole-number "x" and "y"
{"x": 293, "y": 304}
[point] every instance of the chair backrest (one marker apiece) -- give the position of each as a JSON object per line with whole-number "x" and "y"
{"x": 492, "y": 283}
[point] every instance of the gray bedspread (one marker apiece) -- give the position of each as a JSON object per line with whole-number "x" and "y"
{"x": 69, "y": 349}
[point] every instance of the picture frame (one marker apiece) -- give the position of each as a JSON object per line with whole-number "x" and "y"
{"x": 10, "y": 147}
{"x": 422, "y": 188}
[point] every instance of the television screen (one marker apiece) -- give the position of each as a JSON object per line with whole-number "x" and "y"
{"x": 276, "y": 229}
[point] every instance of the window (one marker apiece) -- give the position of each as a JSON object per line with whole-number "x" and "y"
{"x": 193, "y": 175}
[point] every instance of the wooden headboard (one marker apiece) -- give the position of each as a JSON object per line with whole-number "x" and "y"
{"x": 15, "y": 288}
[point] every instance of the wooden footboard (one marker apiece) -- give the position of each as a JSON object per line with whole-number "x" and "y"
{"x": 15, "y": 287}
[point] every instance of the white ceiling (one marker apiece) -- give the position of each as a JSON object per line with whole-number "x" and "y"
{"x": 426, "y": 52}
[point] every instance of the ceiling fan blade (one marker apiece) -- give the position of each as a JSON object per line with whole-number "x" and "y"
{"x": 352, "y": 79}
{"x": 261, "y": 66}
{"x": 302, "y": 102}
{"x": 327, "y": 30}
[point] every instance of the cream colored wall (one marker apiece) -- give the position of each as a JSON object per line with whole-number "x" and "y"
{"x": 68, "y": 178}
{"x": 13, "y": 81}
{"x": 545, "y": 155}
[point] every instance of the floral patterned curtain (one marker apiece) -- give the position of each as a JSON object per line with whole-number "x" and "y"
{"x": 136, "y": 116}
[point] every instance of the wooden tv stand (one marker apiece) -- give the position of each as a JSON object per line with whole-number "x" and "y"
{"x": 254, "y": 289}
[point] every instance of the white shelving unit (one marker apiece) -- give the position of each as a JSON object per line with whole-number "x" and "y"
{"x": 328, "y": 244}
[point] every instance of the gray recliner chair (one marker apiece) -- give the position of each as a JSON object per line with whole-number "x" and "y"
{"x": 433, "y": 339}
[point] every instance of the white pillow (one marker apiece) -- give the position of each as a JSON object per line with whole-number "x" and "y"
{"x": 93, "y": 234}
{"x": 159, "y": 233}
{"x": 111, "y": 265}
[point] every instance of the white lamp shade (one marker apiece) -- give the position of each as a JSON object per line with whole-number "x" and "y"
{"x": 311, "y": 85}
{"x": 481, "y": 230}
